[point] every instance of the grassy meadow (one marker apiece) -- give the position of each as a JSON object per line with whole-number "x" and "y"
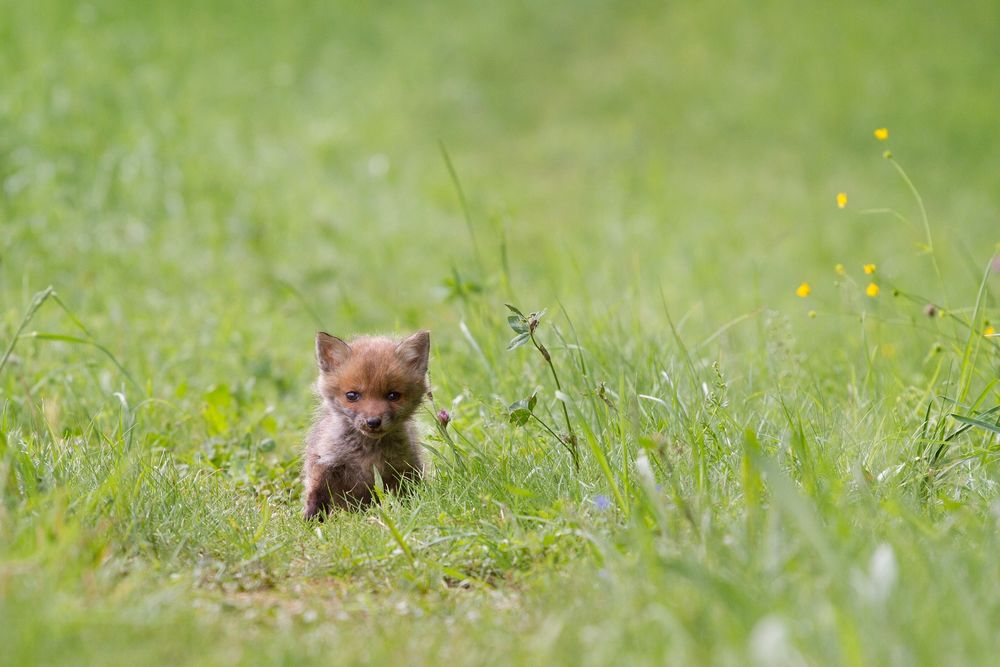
{"x": 784, "y": 458}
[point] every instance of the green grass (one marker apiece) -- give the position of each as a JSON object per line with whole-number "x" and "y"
{"x": 204, "y": 185}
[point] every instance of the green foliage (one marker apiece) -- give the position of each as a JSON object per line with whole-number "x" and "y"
{"x": 740, "y": 476}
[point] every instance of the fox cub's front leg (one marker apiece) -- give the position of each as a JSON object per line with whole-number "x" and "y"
{"x": 337, "y": 486}
{"x": 317, "y": 491}
{"x": 325, "y": 489}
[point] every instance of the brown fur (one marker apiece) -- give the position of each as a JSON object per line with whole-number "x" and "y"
{"x": 342, "y": 449}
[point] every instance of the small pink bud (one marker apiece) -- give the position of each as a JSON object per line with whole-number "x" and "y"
{"x": 443, "y": 417}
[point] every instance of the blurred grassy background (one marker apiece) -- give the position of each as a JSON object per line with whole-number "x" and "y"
{"x": 207, "y": 183}
{"x": 208, "y": 150}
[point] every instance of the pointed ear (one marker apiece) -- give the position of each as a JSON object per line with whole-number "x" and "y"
{"x": 331, "y": 352}
{"x": 415, "y": 350}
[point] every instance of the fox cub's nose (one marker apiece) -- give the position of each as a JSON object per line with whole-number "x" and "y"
{"x": 374, "y": 422}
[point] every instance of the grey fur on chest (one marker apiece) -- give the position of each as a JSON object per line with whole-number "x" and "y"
{"x": 340, "y": 464}
{"x": 353, "y": 449}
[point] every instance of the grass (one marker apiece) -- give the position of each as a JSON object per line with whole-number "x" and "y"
{"x": 762, "y": 478}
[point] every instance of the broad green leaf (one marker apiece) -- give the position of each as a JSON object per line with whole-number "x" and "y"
{"x": 514, "y": 309}
{"x": 517, "y": 341}
{"x": 517, "y": 323}
{"x": 520, "y": 412}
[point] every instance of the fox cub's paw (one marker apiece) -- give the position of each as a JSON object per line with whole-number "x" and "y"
{"x": 314, "y": 512}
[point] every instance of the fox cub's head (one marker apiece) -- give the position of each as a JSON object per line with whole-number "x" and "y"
{"x": 375, "y": 383}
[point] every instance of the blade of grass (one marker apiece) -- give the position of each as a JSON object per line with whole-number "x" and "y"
{"x": 36, "y": 302}
{"x": 76, "y": 340}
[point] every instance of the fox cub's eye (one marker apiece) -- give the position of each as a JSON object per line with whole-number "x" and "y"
{"x": 353, "y": 396}
{"x": 393, "y": 396}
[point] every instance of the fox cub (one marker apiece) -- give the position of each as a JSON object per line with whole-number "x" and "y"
{"x": 368, "y": 391}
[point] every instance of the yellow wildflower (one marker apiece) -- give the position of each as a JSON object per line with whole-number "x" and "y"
{"x": 841, "y": 199}
{"x": 869, "y": 269}
{"x": 803, "y": 290}
{"x": 839, "y": 269}
{"x": 882, "y": 134}
{"x": 989, "y": 330}
{"x": 872, "y": 290}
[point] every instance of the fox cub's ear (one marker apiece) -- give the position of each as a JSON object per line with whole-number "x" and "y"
{"x": 330, "y": 351}
{"x": 414, "y": 350}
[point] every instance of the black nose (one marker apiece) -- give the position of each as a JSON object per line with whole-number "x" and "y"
{"x": 374, "y": 422}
